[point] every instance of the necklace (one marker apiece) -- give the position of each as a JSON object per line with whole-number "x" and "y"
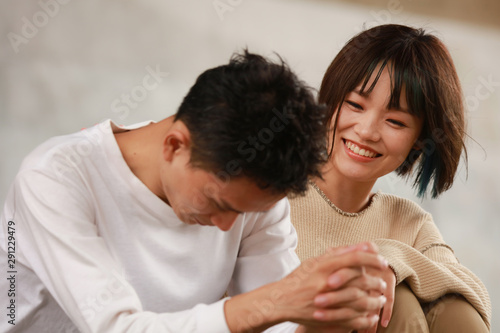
{"x": 337, "y": 209}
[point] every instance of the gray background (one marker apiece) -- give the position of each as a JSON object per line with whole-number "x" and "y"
{"x": 71, "y": 69}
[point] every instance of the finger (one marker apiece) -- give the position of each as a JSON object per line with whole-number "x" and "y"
{"x": 352, "y": 298}
{"x": 368, "y": 304}
{"x": 364, "y": 246}
{"x": 336, "y": 298}
{"x": 343, "y": 276}
{"x": 368, "y": 330}
{"x": 342, "y": 249}
{"x": 388, "y": 307}
{"x": 353, "y": 259}
{"x": 372, "y": 329}
{"x": 323, "y": 329}
{"x": 366, "y": 322}
{"x": 365, "y": 282}
{"x": 339, "y": 318}
{"x": 370, "y": 247}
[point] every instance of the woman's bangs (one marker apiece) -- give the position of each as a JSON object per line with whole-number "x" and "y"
{"x": 405, "y": 79}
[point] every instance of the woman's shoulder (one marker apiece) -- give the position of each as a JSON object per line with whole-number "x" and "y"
{"x": 396, "y": 205}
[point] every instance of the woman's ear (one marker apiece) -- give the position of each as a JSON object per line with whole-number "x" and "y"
{"x": 418, "y": 145}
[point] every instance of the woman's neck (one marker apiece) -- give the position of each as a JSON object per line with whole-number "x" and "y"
{"x": 347, "y": 195}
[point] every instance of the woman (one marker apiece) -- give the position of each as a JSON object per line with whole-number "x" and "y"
{"x": 395, "y": 105}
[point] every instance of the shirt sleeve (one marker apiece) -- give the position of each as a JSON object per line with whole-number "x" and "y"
{"x": 59, "y": 241}
{"x": 431, "y": 269}
{"x": 267, "y": 250}
{"x": 267, "y": 254}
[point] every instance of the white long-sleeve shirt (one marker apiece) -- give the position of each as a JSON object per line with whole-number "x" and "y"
{"x": 96, "y": 251}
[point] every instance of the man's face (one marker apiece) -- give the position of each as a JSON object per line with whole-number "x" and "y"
{"x": 199, "y": 197}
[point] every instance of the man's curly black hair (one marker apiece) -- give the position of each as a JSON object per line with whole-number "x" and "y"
{"x": 255, "y": 118}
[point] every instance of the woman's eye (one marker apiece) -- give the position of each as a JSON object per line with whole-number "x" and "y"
{"x": 397, "y": 123}
{"x": 354, "y": 105}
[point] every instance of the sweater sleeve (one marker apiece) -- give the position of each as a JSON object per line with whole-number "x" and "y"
{"x": 432, "y": 270}
{"x": 60, "y": 242}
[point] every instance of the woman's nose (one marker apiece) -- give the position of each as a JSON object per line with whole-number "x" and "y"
{"x": 367, "y": 127}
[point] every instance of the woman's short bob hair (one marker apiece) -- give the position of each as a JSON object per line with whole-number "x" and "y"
{"x": 420, "y": 64}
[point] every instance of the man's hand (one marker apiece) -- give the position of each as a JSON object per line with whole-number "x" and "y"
{"x": 323, "y": 280}
{"x": 353, "y": 295}
{"x": 312, "y": 329}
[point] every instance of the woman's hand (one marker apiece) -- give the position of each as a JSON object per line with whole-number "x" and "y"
{"x": 389, "y": 277}
{"x": 327, "y": 293}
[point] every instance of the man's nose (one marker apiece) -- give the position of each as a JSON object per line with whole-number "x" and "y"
{"x": 224, "y": 220}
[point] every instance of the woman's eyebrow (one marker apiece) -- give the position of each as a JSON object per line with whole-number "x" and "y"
{"x": 365, "y": 94}
{"x": 398, "y": 108}
{"x": 361, "y": 93}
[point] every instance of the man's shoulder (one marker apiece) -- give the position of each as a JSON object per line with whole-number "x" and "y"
{"x": 276, "y": 217}
{"x": 67, "y": 150}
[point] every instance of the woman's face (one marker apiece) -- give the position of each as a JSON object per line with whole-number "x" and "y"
{"x": 372, "y": 139}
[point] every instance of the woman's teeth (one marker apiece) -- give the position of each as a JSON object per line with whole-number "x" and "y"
{"x": 361, "y": 152}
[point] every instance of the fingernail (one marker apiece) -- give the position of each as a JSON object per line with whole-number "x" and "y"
{"x": 333, "y": 281}
{"x": 330, "y": 249}
{"x": 383, "y": 261}
{"x": 320, "y": 300}
{"x": 384, "y": 285}
{"x": 343, "y": 250}
{"x": 385, "y": 323}
{"x": 319, "y": 315}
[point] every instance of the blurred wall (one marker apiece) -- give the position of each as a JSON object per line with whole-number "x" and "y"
{"x": 68, "y": 64}
{"x": 483, "y": 12}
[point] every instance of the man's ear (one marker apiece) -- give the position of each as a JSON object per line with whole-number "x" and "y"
{"x": 176, "y": 142}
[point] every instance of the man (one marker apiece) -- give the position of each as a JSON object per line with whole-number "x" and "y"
{"x": 143, "y": 229}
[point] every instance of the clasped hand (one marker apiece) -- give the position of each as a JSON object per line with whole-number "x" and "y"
{"x": 348, "y": 287}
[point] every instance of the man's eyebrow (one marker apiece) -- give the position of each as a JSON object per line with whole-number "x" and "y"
{"x": 224, "y": 205}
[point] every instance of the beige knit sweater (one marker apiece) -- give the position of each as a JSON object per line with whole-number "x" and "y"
{"x": 406, "y": 236}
